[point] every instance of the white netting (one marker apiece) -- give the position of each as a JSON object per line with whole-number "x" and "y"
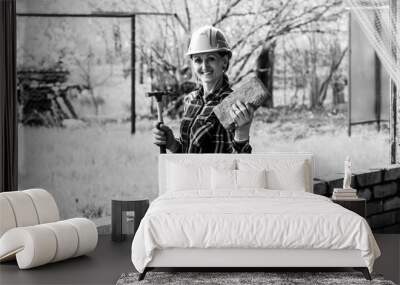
{"x": 379, "y": 19}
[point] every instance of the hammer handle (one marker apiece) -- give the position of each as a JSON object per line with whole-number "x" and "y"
{"x": 163, "y": 148}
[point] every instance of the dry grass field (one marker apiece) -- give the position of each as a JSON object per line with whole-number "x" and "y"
{"x": 84, "y": 168}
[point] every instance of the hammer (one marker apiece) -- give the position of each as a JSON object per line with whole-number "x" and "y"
{"x": 158, "y": 95}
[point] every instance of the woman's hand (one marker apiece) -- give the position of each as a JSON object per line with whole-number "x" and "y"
{"x": 164, "y": 136}
{"x": 242, "y": 114}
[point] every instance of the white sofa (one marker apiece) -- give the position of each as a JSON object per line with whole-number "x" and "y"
{"x": 285, "y": 171}
{"x": 31, "y": 233}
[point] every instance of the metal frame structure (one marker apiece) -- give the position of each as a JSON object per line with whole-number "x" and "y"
{"x": 394, "y": 116}
{"x": 395, "y": 92}
{"x": 132, "y": 16}
{"x": 378, "y": 84}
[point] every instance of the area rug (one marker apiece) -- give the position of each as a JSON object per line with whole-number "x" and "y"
{"x": 243, "y": 278}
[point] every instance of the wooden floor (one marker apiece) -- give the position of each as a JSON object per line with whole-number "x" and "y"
{"x": 111, "y": 259}
{"x": 103, "y": 266}
{"x": 389, "y": 263}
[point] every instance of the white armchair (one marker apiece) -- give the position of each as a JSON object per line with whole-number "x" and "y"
{"x": 31, "y": 232}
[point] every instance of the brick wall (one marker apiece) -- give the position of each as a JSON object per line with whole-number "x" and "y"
{"x": 380, "y": 187}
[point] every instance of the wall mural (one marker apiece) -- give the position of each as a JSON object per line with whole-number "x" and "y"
{"x": 75, "y": 100}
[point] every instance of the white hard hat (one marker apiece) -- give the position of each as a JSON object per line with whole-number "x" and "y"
{"x": 208, "y": 39}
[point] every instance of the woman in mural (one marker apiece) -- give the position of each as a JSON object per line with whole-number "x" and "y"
{"x": 200, "y": 129}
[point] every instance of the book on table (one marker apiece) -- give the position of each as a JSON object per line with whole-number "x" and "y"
{"x": 344, "y": 198}
{"x": 339, "y": 196}
{"x": 345, "y": 194}
{"x": 347, "y": 190}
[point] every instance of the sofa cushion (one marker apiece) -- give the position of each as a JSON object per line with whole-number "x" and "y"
{"x": 27, "y": 208}
{"x": 45, "y": 205}
{"x": 7, "y": 220}
{"x": 23, "y": 208}
{"x": 40, "y": 244}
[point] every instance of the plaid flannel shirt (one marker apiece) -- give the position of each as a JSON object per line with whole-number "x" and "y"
{"x": 201, "y": 131}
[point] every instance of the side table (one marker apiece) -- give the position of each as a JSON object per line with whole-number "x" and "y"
{"x": 119, "y": 217}
{"x": 358, "y": 205}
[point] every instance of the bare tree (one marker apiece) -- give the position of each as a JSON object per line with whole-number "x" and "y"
{"x": 332, "y": 55}
{"x": 90, "y": 78}
{"x": 251, "y": 26}
{"x": 253, "y": 29}
{"x": 278, "y": 19}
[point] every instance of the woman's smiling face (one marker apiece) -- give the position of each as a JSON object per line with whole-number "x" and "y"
{"x": 209, "y": 66}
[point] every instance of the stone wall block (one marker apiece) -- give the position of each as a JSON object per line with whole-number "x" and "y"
{"x": 337, "y": 183}
{"x": 365, "y": 193}
{"x": 385, "y": 190}
{"x": 368, "y": 177}
{"x": 380, "y": 186}
{"x": 392, "y": 173}
{"x": 321, "y": 188}
{"x": 398, "y": 216}
{"x": 391, "y": 203}
{"x": 382, "y": 220}
{"x": 374, "y": 207}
